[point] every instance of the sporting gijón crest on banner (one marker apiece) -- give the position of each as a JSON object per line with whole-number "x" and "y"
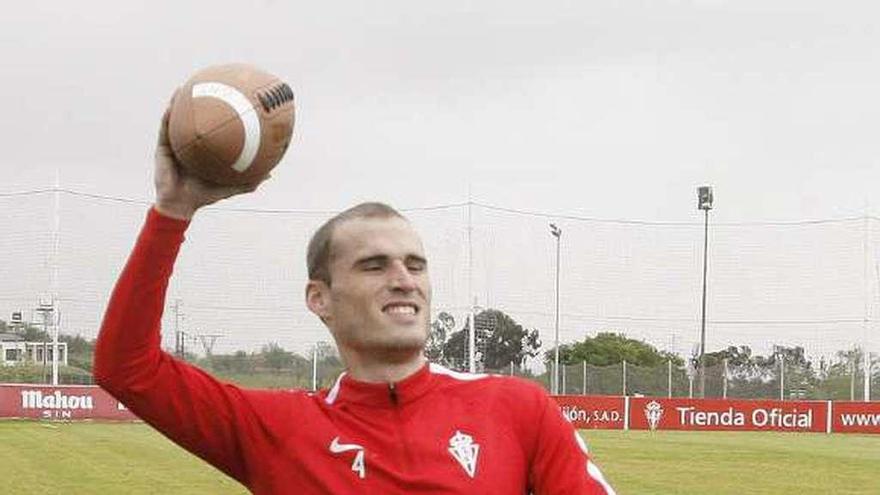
{"x": 465, "y": 451}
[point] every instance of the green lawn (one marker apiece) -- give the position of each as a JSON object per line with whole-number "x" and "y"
{"x": 100, "y": 458}
{"x": 673, "y": 462}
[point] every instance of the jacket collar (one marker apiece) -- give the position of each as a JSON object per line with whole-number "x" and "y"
{"x": 348, "y": 390}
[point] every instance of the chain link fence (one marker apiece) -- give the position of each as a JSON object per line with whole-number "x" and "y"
{"x": 233, "y": 284}
{"x": 784, "y": 382}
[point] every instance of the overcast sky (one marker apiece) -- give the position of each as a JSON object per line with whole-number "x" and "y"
{"x": 596, "y": 108}
{"x": 611, "y": 109}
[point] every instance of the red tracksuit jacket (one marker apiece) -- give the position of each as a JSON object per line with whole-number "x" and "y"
{"x": 435, "y": 432}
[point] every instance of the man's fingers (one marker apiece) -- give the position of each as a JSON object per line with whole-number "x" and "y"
{"x": 252, "y": 186}
{"x": 166, "y": 117}
{"x": 163, "y": 128}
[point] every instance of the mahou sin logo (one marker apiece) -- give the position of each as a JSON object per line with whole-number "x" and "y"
{"x": 34, "y": 399}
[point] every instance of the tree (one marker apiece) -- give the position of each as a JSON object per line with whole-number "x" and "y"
{"x": 742, "y": 366}
{"x": 507, "y": 341}
{"x": 753, "y": 375}
{"x": 499, "y": 339}
{"x": 275, "y": 357}
{"x": 608, "y": 348}
{"x": 441, "y": 327}
{"x": 840, "y": 378}
{"x": 238, "y": 362}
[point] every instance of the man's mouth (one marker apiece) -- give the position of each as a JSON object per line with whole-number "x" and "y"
{"x": 406, "y": 309}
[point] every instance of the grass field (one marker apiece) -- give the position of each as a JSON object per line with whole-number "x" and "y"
{"x": 100, "y": 458}
{"x": 671, "y": 462}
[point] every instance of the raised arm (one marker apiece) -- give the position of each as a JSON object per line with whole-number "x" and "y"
{"x": 184, "y": 403}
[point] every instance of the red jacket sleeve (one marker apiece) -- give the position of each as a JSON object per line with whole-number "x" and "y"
{"x": 190, "y": 407}
{"x": 561, "y": 463}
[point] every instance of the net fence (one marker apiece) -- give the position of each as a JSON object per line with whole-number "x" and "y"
{"x": 669, "y": 380}
{"x": 241, "y": 273}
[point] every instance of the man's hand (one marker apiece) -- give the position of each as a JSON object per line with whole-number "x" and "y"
{"x": 178, "y": 194}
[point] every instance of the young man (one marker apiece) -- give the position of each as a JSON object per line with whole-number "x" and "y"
{"x": 391, "y": 424}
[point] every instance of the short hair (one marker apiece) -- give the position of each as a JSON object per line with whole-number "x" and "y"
{"x": 320, "y": 246}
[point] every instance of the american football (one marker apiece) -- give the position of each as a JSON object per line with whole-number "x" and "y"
{"x": 231, "y": 124}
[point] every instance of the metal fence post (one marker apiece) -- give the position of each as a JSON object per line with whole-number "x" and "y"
{"x": 624, "y": 378}
{"x": 669, "y": 378}
{"x": 564, "y": 369}
{"x": 852, "y": 381}
{"x": 724, "y": 381}
{"x": 781, "y": 377}
{"x": 585, "y": 378}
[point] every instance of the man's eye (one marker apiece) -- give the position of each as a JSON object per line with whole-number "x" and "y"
{"x": 416, "y": 267}
{"x": 372, "y": 267}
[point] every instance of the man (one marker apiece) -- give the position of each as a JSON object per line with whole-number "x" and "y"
{"x": 391, "y": 424}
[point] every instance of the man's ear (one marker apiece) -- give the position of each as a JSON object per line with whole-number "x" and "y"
{"x": 318, "y": 298}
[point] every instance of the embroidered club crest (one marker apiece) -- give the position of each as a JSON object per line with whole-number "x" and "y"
{"x": 465, "y": 451}
{"x": 653, "y": 413}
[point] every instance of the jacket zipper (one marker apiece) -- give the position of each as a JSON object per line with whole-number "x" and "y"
{"x": 401, "y": 434}
{"x": 392, "y": 393}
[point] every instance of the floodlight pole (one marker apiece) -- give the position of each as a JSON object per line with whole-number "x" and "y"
{"x": 56, "y": 243}
{"x": 46, "y": 308}
{"x": 704, "y": 202}
{"x": 472, "y": 328}
{"x": 557, "y": 233}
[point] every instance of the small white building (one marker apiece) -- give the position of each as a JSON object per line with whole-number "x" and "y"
{"x": 15, "y": 350}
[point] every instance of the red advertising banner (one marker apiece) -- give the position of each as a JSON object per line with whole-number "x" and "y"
{"x": 855, "y": 417}
{"x": 729, "y": 415}
{"x": 61, "y": 402}
{"x": 593, "y": 411}
{"x": 585, "y": 412}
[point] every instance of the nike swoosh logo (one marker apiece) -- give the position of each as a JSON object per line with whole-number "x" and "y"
{"x": 338, "y": 448}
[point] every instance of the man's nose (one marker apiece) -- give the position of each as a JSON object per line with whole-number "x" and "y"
{"x": 401, "y": 278}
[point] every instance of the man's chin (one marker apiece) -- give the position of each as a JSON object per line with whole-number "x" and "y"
{"x": 396, "y": 350}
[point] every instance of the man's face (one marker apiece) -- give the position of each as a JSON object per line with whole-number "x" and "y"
{"x": 378, "y": 301}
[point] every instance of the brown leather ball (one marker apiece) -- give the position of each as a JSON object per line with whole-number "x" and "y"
{"x": 231, "y": 124}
